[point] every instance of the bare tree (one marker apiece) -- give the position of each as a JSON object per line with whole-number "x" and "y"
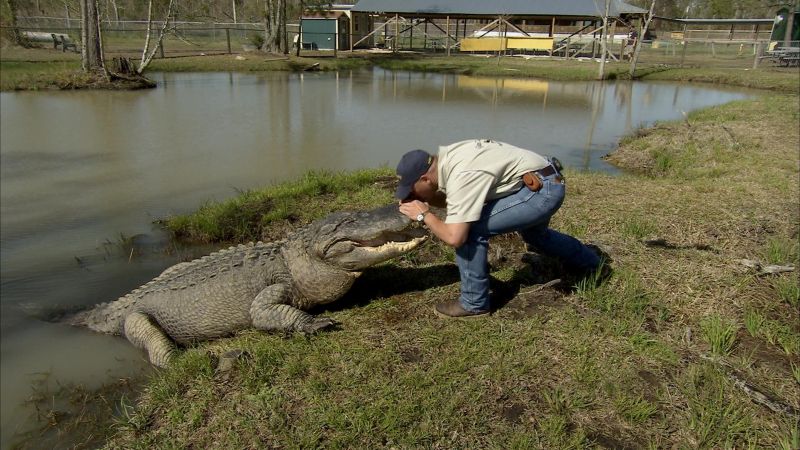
{"x": 604, "y": 44}
{"x": 91, "y": 47}
{"x": 16, "y": 36}
{"x": 275, "y": 26}
{"x": 147, "y": 52}
{"x": 640, "y": 38}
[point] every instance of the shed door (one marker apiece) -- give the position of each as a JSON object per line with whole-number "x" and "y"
{"x": 320, "y": 32}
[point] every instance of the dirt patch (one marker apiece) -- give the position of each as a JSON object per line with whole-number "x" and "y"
{"x": 606, "y": 441}
{"x": 651, "y": 380}
{"x": 411, "y": 355}
{"x": 533, "y": 302}
{"x": 763, "y": 354}
{"x": 512, "y": 413}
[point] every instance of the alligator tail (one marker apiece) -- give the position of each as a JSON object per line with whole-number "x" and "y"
{"x": 107, "y": 318}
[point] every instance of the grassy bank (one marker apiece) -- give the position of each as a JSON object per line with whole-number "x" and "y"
{"x": 32, "y": 69}
{"x": 650, "y": 358}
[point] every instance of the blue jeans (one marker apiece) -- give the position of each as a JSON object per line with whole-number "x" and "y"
{"x": 528, "y": 213}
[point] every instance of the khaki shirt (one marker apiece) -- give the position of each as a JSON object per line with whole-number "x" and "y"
{"x": 474, "y": 172}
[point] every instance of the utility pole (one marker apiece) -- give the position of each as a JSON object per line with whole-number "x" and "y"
{"x": 602, "y": 74}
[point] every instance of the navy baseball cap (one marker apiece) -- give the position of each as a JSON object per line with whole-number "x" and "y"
{"x": 412, "y": 165}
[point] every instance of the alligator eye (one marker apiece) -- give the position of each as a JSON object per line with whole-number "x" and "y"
{"x": 338, "y": 248}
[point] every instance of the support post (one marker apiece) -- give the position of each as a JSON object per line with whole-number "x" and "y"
{"x": 425, "y": 36}
{"x": 759, "y": 51}
{"x": 447, "y": 33}
{"x": 604, "y": 44}
{"x": 350, "y": 30}
{"x": 396, "y": 45}
{"x": 161, "y": 48}
{"x": 787, "y": 37}
{"x": 228, "y": 37}
{"x": 685, "y": 44}
{"x": 411, "y": 36}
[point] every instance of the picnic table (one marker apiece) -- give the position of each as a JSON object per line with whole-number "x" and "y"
{"x": 785, "y": 56}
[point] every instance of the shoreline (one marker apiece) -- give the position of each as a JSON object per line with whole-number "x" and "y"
{"x": 32, "y": 70}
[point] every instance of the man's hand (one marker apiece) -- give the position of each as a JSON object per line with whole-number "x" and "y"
{"x": 453, "y": 234}
{"x": 413, "y": 208}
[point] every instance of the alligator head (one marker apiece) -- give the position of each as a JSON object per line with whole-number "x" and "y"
{"x": 327, "y": 256}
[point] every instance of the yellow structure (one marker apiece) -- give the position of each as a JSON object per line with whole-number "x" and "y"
{"x": 530, "y": 43}
{"x": 494, "y": 44}
{"x": 515, "y": 84}
{"x": 489, "y": 44}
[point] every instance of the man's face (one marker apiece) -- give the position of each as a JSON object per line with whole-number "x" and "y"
{"x": 424, "y": 190}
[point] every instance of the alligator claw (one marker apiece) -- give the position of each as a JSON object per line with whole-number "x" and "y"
{"x": 321, "y": 323}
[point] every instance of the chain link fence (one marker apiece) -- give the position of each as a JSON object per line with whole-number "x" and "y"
{"x": 717, "y": 48}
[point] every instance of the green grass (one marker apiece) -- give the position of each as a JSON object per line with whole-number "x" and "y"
{"x": 782, "y": 251}
{"x": 715, "y": 419}
{"x": 753, "y": 322}
{"x": 788, "y": 289}
{"x": 316, "y": 194}
{"x": 719, "y": 333}
{"x": 636, "y": 410}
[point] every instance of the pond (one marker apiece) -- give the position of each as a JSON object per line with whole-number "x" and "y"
{"x": 84, "y": 173}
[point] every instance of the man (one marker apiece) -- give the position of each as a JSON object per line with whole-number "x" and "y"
{"x": 630, "y": 44}
{"x": 489, "y": 188}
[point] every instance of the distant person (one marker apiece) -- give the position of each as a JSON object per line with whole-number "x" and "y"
{"x": 630, "y": 45}
{"x": 489, "y": 188}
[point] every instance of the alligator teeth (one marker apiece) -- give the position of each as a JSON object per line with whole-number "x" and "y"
{"x": 397, "y": 246}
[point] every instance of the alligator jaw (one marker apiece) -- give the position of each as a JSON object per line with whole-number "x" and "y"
{"x": 396, "y": 246}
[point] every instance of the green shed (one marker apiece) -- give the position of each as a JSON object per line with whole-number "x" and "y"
{"x": 323, "y": 33}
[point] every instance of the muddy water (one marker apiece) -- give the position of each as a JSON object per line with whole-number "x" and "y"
{"x": 85, "y": 173}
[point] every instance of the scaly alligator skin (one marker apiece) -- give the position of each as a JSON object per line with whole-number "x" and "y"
{"x": 268, "y": 286}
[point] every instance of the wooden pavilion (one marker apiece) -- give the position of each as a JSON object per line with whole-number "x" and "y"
{"x": 496, "y": 26}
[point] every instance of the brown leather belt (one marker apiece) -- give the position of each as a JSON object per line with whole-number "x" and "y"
{"x": 547, "y": 171}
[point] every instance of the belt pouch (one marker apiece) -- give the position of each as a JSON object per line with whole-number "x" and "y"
{"x": 533, "y": 182}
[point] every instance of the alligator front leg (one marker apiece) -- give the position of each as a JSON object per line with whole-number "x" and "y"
{"x": 271, "y": 311}
{"x": 144, "y": 333}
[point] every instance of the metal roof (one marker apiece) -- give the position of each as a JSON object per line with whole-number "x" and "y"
{"x": 718, "y": 21}
{"x": 546, "y": 8}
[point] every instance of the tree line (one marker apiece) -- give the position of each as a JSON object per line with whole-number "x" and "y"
{"x": 225, "y": 11}
{"x": 256, "y": 10}
{"x": 716, "y": 9}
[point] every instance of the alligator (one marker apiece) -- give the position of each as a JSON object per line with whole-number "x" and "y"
{"x": 267, "y": 286}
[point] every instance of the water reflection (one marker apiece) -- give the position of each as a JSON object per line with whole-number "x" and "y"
{"x": 77, "y": 169}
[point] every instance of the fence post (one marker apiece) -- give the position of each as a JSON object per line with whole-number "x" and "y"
{"x": 161, "y": 48}
{"x": 759, "y": 50}
{"x": 228, "y": 37}
{"x": 683, "y": 54}
{"x": 447, "y": 34}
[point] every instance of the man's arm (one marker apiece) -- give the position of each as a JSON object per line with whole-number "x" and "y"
{"x": 453, "y": 234}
